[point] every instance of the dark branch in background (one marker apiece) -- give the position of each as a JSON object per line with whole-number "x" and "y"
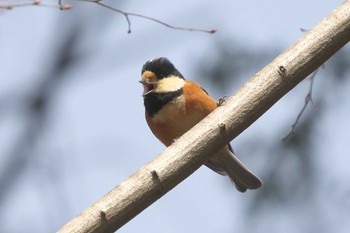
{"x": 127, "y": 15}
{"x": 307, "y": 100}
{"x": 35, "y": 109}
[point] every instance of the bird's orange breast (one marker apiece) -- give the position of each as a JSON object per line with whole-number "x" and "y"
{"x": 181, "y": 114}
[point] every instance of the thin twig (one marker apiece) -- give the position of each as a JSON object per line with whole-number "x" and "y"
{"x": 8, "y": 6}
{"x": 127, "y": 14}
{"x": 307, "y": 100}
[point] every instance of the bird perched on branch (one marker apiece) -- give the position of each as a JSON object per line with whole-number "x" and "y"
{"x": 174, "y": 105}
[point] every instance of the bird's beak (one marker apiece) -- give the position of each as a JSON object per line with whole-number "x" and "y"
{"x": 143, "y": 82}
{"x": 148, "y": 87}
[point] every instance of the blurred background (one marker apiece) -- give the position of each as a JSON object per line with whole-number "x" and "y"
{"x": 72, "y": 121}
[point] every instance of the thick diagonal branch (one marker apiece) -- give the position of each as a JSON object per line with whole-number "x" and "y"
{"x": 190, "y": 151}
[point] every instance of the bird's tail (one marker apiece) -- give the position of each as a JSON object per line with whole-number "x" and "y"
{"x": 226, "y": 163}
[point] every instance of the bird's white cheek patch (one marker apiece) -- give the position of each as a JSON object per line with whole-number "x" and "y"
{"x": 172, "y": 83}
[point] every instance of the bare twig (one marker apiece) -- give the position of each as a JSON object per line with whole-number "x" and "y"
{"x": 9, "y": 5}
{"x": 128, "y": 14}
{"x": 307, "y": 100}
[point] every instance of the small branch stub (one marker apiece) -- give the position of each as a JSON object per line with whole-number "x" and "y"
{"x": 155, "y": 175}
{"x": 103, "y": 215}
{"x": 282, "y": 70}
{"x": 222, "y": 127}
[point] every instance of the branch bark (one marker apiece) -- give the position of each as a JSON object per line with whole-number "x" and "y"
{"x": 190, "y": 151}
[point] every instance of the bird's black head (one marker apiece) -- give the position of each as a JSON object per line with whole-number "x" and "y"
{"x": 161, "y": 67}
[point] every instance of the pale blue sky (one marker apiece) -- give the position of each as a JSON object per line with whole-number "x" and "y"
{"x": 97, "y": 136}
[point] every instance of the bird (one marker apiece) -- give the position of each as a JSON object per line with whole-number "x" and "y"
{"x": 173, "y": 105}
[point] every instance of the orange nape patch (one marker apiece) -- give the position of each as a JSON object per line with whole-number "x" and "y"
{"x": 149, "y": 76}
{"x": 197, "y": 100}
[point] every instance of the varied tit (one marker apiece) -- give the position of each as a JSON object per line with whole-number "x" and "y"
{"x": 174, "y": 105}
